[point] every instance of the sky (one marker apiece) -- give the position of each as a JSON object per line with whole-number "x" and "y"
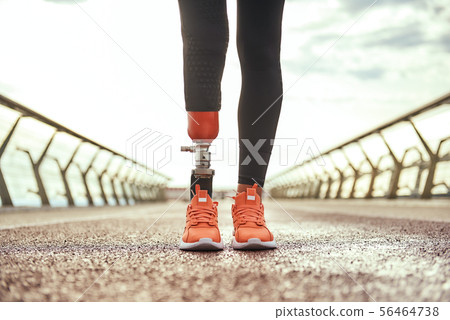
{"x": 112, "y": 71}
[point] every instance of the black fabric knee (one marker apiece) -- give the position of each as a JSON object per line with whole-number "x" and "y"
{"x": 204, "y": 28}
{"x": 258, "y": 42}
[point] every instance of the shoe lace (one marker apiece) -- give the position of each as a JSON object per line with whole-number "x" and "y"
{"x": 243, "y": 215}
{"x": 207, "y": 215}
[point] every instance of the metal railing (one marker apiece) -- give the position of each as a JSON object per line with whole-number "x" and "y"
{"x": 44, "y": 163}
{"x": 420, "y": 170}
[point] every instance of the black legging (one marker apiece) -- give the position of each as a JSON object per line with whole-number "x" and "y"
{"x": 205, "y": 41}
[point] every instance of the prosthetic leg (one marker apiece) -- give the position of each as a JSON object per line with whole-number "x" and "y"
{"x": 203, "y": 128}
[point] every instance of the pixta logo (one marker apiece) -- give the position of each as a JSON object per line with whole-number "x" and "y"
{"x": 288, "y": 151}
{"x": 151, "y": 148}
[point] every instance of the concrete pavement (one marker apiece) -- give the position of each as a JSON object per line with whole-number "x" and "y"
{"x": 335, "y": 250}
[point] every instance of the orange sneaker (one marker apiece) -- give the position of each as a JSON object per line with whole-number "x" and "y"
{"x": 202, "y": 230}
{"x": 250, "y": 231}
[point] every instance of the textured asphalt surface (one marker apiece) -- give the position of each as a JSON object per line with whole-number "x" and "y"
{"x": 335, "y": 250}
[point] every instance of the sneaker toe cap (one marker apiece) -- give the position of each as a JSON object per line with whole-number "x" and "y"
{"x": 243, "y": 234}
{"x": 195, "y": 234}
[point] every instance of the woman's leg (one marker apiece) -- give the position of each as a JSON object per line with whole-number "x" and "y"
{"x": 258, "y": 42}
{"x": 204, "y": 28}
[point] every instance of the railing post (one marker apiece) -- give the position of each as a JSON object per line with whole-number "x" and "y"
{"x": 311, "y": 181}
{"x": 446, "y": 157}
{"x": 373, "y": 173}
{"x": 319, "y": 180}
{"x": 341, "y": 178}
{"x": 123, "y": 182}
{"x": 132, "y": 184}
{"x": 112, "y": 179}
{"x": 426, "y": 193}
{"x": 415, "y": 191}
{"x": 393, "y": 185}
{"x": 4, "y": 193}
{"x": 300, "y": 186}
{"x": 63, "y": 171}
{"x": 100, "y": 180}
{"x": 137, "y": 186}
{"x": 84, "y": 176}
{"x": 36, "y": 166}
{"x": 355, "y": 174}
{"x": 330, "y": 183}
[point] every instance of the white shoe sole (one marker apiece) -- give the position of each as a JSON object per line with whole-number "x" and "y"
{"x": 203, "y": 244}
{"x": 253, "y": 244}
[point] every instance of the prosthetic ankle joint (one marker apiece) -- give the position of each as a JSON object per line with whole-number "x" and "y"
{"x": 203, "y": 128}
